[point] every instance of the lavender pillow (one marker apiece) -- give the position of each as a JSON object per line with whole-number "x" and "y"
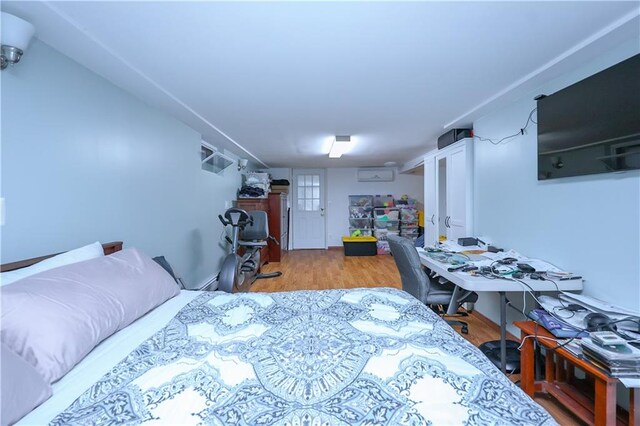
{"x": 55, "y": 318}
{"x": 23, "y": 389}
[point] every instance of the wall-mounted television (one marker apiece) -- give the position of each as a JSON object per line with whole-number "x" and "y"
{"x": 592, "y": 126}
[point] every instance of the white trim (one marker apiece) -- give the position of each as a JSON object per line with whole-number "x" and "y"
{"x": 211, "y": 282}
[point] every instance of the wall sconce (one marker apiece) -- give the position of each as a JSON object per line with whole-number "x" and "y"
{"x": 16, "y": 34}
{"x": 242, "y": 163}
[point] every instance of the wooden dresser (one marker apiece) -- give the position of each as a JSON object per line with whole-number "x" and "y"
{"x": 276, "y": 207}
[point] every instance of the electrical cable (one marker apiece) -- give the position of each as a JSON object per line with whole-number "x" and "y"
{"x": 531, "y": 336}
{"x": 535, "y": 333}
{"x": 519, "y": 133}
{"x": 559, "y": 318}
{"x": 512, "y": 306}
{"x": 561, "y": 308}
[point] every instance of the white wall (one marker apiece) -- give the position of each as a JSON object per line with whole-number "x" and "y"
{"x": 82, "y": 160}
{"x": 589, "y": 225}
{"x": 342, "y": 182}
{"x": 279, "y": 173}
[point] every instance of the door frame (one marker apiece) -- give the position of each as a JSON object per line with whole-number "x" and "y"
{"x": 294, "y": 204}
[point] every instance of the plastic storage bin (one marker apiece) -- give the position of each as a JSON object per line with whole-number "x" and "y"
{"x": 382, "y": 234}
{"x": 383, "y": 247}
{"x": 409, "y": 214}
{"x": 409, "y": 232}
{"x": 359, "y": 246}
{"x": 389, "y": 225}
{"x": 364, "y": 232}
{"x": 357, "y": 212}
{"x": 386, "y": 214}
{"x": 360, "y": 223}
{"x": 361, "y": 200}
{"x": 360, "y": 232}
{"x": 383, "y": 201}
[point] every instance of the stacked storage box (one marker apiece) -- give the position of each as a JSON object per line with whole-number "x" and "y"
{"x": 383, "y": 201}
{"x": 259, "y": 182}
{"x": 409, "y": 221}
{"x": 359, "y": 246}
{"x": 386, "y": 222}
{"x": 360, "y": 208}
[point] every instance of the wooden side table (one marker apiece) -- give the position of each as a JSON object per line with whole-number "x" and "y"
{"x": 558, "y": 382}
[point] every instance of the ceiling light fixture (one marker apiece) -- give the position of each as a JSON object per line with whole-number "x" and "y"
{"x": 340, "y": 146}
{"x": 16, "y": 34}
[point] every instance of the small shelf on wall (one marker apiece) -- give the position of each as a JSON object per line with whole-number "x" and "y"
{"x": 213, "y": 160}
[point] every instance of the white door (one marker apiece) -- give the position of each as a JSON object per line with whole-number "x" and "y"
{"x": 457, "y": 194}
{"x": 309, "y": 209}
{"x": 430, "y": 206}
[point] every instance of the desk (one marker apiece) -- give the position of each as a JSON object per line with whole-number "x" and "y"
{"x": 468, "y": 282}
{"x": 559, "y": 376}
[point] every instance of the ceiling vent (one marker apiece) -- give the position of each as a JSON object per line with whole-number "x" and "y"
{"x": 375, "y": 175}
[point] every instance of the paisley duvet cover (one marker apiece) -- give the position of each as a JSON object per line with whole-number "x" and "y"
{"x": 336, "y": 357}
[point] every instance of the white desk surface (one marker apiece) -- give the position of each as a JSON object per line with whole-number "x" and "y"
{"x": 478, "y": 283}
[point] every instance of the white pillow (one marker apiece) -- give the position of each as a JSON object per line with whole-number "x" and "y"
{"x": 87, "y": 252}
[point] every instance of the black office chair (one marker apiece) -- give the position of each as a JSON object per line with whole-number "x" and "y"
{"x": 417, "y": 282}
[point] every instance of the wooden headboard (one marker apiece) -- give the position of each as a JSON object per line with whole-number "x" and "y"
{"x": 109, "y": 248}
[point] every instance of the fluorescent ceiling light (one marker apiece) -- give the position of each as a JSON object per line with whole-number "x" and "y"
{"x": 340, "y": 146}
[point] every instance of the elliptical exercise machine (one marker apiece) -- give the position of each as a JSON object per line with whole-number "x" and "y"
{"x": 251, "y": 231}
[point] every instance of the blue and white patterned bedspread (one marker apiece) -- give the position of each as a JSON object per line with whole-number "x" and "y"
{"x": 337, "y": 357}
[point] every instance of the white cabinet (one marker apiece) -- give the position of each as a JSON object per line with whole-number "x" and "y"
{"x": 284, "y": 223}
{"x": 449, "y": 191}
{"x": 430, "y": 205}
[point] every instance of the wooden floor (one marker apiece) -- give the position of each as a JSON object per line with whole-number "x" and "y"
{"x": 330, "y": 269}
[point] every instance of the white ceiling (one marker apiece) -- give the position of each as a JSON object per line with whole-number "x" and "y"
{"x": 277, "y": 80}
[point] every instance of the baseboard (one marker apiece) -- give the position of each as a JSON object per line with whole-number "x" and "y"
{"x": 210, "y": 283}
{"x": 334, "y": 248}
{"x": 489, "y": 323}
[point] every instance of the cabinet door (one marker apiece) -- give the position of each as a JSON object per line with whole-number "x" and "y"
{"x": 430, "y": 204}
{"x": 456, "y": 193}
{"x": 284, "y": 224}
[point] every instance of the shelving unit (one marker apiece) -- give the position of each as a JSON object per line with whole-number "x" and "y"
{"x": 360, "y": 208}
{"x": 378, "y": 216}
{"x": 386, "y": 222}
{"x": 409, "y": 221}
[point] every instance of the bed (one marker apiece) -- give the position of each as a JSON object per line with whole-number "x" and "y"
{"x": 334, "y": 357}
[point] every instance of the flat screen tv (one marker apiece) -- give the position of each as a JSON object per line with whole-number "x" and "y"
{"x": 592, "y": 126}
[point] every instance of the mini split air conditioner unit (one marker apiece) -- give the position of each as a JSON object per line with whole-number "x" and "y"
{"x": 375, "y": 175}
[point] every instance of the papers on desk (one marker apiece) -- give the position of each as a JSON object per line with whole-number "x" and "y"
{"x": 449, "y": 245}
{"x": 599, "y": 306}
{"x": 558, "y": 308}
{"x": 479, "y": 257}
{"x": 616, "y": 313}
{"x": 504, "y": 254}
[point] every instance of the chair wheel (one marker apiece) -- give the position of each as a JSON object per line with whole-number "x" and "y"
{"x": 464, "y": 329}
